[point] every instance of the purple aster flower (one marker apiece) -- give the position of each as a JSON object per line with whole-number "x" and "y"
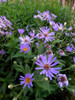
{"x": 32, "y": 34}
{"x": 49, "y": 52}
{"x": 67, "y": 34}
{"x": 46, "y": 15}
{"x": 73, "y": 34}
{"x": 21, "y": 31}
{"x": 61, "y": 27}
{"x": 48, "y": 46}
{"x": 69, "y": 49}
{"x": 39, "y": 36}
{"x": 62, "y": 80}
{"x": 27, "y": 80}
{"x": 48, "y": 36}
{"x": 61, "y": 52}
{"x": 70, "y": 28}
{"x": 56, "y": 27}
{"x": 24, "y": 48}
{"x": 53, "y": 16}
{"x": 2, "y": 52}
{"x": 46, "y": 66}
{"x": 25, "y": 39}
{"x": 38, "y": 15}
{"x": 74, "y": 59}
{"x": 52, "y": 23}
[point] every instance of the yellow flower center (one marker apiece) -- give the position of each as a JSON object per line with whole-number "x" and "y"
{"x": 47, "y": 66}
{"x": 25, "y": 49}
{"x": 28, "y": 80}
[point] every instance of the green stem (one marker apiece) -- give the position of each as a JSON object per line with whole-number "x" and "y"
{"x": 32, "y": 65}
{"x": 16, "y": 85}
{"x": 19, "y": 93}
{"x": 65, "y": 69}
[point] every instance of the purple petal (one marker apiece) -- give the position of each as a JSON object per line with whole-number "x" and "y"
{"x": 38, "y": 68}
{"x": 54, "y": 71}
{"x": 53, "y": 60}
{"x": 28, "y": 85}
{"x": 38, "y": 64}
{"x": 49, "y": 58}
{"x": 43, "y": 72}
{"x": 24, "y": 85}
{"x": 74, "y": 59}
{"x": 22, "y": 82}
{"x": 60, "y": 84}
{"x": 55, "y": 63}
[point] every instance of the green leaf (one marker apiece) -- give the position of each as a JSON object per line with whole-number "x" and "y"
{"x": 27, "y": 69}
{"x": 44, "y": 84}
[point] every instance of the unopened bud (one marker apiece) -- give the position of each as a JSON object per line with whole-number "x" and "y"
{"x": 50, "y": 23}
{"x": 65, "y": 23}
{"x": 15, "y": 62}
{"x": 10, "y": 86}
{"x": 15, "y": 98}
{"x": 34, "y": 58}
{"x": 46, "y": 79}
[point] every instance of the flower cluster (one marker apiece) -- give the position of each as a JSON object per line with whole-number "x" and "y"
{"x": 5, "y": 26}
{"x": 49, "y": 65}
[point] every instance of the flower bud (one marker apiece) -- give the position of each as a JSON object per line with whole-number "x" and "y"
{"x": 34, "y": 58}
{"x": 65, "y": 23}
{"x": 50, "y": 23}
{"x": 15, "y": 62}
{"x": 15, "y": 98}
{"x": 10, "y": 86}
{"x": 46, "y": 79}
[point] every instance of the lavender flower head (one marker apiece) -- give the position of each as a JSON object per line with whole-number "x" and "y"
{"x": 2, "y": 52}
{"x": 49, "y": 52}
{"x": 70, "y": 28}
{"x": 61, "y": 52}
{"x": 27, "y": 80}
{"x": 62, "y": 80}
{"x": 25, "y": 39}
{"x": 46, "y": 15}
{"x": 61, "y": 27}
{"x": 67, "y": 34}
{"x": 21, "y": 31}
{"x": 56, "y": 27}
{"x": 24, "y": 48}
{"x": 52, "y": 23}
{"x": 46, "y": 66}
{"x": 32, "y": 34}
{"x": 53, "y": 16}
{"x": 74, "y": 59}
{"x": 69, "y": 49}
{"x": 47, "y": 36}
{"x": 48, "y": 46}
